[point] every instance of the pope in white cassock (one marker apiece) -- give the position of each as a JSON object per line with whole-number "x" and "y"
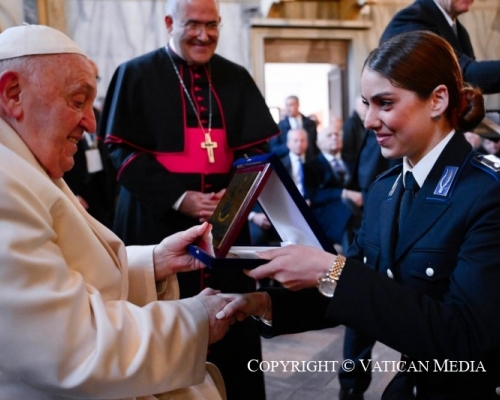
{"x": 81, "y": 315}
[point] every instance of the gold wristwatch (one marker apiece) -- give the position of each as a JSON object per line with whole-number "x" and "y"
{"x": 327, "y": 283}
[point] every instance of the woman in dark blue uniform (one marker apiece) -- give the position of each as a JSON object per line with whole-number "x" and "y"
{"x": 424, "y": 281}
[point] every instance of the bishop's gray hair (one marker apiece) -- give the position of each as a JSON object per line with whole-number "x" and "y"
{"x": 172, "y": 7}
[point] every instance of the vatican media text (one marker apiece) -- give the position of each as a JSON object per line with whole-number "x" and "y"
{"x": 367, "y": 365}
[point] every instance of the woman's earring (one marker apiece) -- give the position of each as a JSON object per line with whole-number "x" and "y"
{"x": 436, "y": 117}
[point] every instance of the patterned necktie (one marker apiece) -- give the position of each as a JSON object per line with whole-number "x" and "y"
{"x": 339, "y": 169}
{"x": 411, "y": 189}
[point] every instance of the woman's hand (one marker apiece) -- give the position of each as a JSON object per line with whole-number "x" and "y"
{"x": 246, "y": 305}
{"x": 171, "y": 256}
{"x": 296, "y": 267}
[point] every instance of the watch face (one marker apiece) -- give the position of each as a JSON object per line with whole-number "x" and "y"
{"x": 327, "y": 287}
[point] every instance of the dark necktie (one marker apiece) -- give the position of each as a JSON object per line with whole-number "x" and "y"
{"x": 339, "y": 169}
{"x": 411, "y": 189}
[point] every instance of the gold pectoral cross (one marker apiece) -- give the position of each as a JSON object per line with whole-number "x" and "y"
{"x": 209, "y": 146}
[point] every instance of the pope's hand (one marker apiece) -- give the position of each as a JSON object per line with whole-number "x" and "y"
{"x": 242, "y": 306}
{"x": 213, "y": 304}
{"x": 171, "y": 255}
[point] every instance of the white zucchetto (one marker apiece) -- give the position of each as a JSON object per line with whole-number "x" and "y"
{"x": 26, "y": 40}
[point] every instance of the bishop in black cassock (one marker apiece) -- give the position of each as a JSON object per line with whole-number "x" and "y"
{"x": 155, "y": 141}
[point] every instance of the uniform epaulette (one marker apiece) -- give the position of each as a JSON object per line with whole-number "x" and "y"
{"x": 487, "y": 162}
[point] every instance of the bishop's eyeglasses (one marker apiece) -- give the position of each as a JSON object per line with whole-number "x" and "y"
{"x": 195, "y": 27}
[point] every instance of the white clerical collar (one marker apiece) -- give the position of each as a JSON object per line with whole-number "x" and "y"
{"x": 172, "y": 46}
{"x": 446, "y": 15}
{"x": 423, "y": 167}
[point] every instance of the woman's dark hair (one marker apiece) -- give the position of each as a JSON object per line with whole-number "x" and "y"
{"x": 420, "y": 61}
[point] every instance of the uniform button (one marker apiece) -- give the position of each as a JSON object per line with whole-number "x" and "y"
{"x": 364, "y": 259}
{"x": 429, "y": 271}
{"x": 414, "y": 391}
{"x": 497, "y": 391}
{"x": 389, "y": 274}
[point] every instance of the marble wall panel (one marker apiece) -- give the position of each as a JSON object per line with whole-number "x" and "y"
{"x": 11, "y": 13}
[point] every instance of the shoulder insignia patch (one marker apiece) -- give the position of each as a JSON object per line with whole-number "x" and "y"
{"x": 490, "y": 161}
{"x": 447, "y": 178}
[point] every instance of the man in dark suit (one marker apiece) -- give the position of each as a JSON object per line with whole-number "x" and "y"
{"x": 337, "y": 209}
{"x": 440, "y": 16}
{"x": 353, "y": 134}
{"x": 297, "y": 145}
{"x": 294, "y": 119}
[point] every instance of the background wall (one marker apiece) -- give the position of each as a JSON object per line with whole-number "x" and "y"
{"x": 11, "y": 13}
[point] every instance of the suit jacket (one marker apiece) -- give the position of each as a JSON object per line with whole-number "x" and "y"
{"x": 78, "y": 309}
{"x": 442, "y": 301}
{"x": 278, "y": 143}
{"x": 324, "y": 189}
{"x": 353, "y": 135}
{"x": 425, "y": 15}
{"x": 287, "y": 163}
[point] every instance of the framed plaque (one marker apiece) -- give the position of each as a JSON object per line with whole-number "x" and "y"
{"x": 263, "y": 179}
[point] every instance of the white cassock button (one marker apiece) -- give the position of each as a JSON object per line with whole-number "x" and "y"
{"x": 429, "y": 271}
{"x": 414, "y": 391}
{"x": 497, "y": 391}
{"x": 364, "y": 260}
{"x": 389, "y": 274}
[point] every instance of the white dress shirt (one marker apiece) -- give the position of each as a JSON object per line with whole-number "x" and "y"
{"x": 297, "y": 171}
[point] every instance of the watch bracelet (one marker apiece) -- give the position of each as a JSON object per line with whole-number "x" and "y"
{"x": 334, "y": 271}
{"x": 337, "y": 267}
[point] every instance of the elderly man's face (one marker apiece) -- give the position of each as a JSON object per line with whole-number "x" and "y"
{"x": 456, "y": 7}
{"x": 57, "y": 109}
{"x": 330, "y": 140}
{"x": 195, "y": 30}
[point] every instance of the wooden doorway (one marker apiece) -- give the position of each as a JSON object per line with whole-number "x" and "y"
{"x": 302, "y": 41}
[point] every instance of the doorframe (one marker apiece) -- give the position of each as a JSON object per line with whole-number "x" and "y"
{"x": 353, "y": 32}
